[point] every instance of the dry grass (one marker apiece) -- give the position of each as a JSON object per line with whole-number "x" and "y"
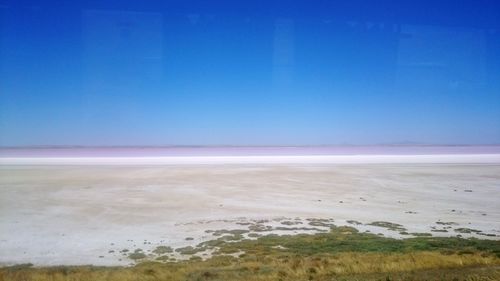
{"x": 255, "y": 268}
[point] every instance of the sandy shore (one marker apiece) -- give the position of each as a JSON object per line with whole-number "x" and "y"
{"x": 85, "y": 210}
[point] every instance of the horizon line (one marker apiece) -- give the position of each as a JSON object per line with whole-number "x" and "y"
{"x": 416, "y": 144}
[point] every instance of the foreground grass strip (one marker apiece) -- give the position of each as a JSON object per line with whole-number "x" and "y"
{"x": 341, "y": 254}
{"x": 345, "y": 266}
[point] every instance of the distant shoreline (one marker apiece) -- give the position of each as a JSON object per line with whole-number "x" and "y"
{"x": 238, "y": 151}
{"x": 267, "y": 159}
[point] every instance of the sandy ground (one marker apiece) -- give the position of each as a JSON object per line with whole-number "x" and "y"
{"x": 76, "y": 214}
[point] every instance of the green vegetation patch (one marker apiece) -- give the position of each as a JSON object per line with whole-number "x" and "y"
{"x": 299, "y": 228}
{"x": 467, "y": 230}
{"x": 388, "y": 225}
{"x": 190, "y": 250}
{"x": 487, "y": 234}
{"x": 137, "y": 255}
{"x": 291, "y": 222}
{"x": 348, "y": 239}
{"x": 439, "y": 230}
{"x": 446, "y": 223}
{"x": 421, "y": 234}
{"x": 160, "y": 250}
{"x": 163, "y": 258}
{"x": 260, "y": 227}
{"x": 342, "y": 239}
{"x": 225, "y": 231}
{"x": 321, "y": 222}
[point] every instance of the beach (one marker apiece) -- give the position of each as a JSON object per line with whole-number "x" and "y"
{"x": 86, "y": 210}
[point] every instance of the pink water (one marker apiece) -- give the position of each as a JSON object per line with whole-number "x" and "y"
{"x": 242, "y": 151}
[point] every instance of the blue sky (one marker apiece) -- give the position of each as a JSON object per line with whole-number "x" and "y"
{"x": 249, "y": 72}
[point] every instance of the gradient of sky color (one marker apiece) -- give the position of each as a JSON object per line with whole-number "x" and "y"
{"x": 249, "y": 72}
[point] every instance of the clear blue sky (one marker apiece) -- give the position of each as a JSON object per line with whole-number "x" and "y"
{"x": 249, "y": 72}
